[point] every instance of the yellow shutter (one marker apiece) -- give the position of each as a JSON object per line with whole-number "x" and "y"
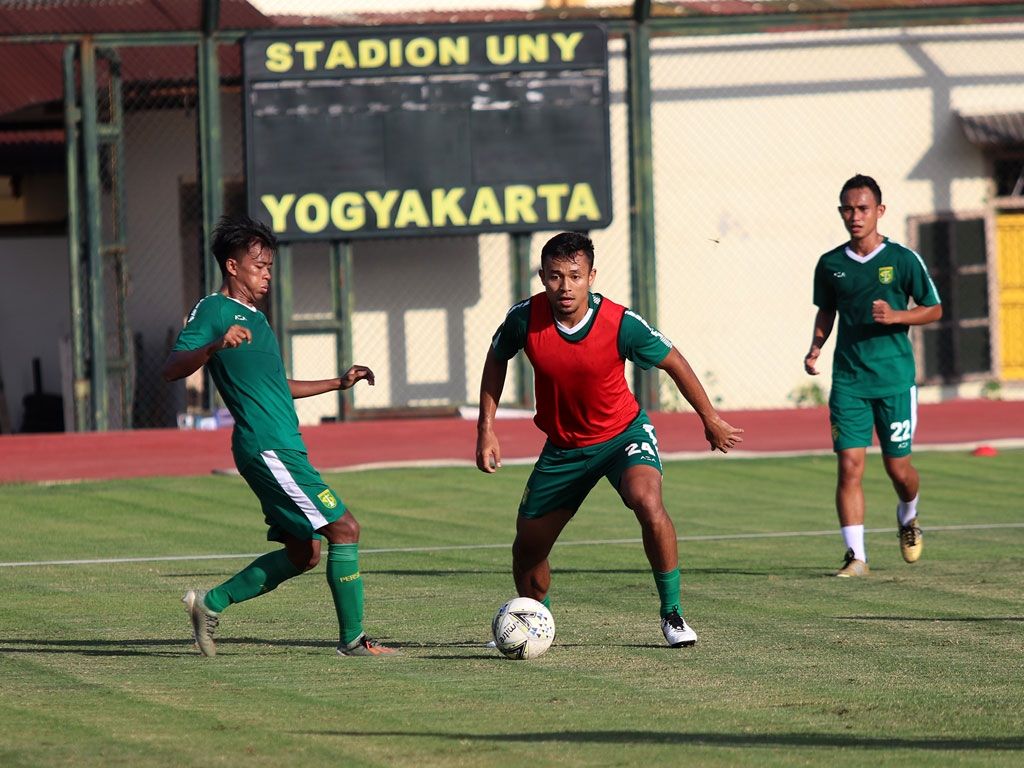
{"x": 1010, "y": 261}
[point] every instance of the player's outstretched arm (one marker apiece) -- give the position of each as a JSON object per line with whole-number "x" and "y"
{"x": 720, "y": 434}
{"x": 184, "y": 362}
{"x": 492, "y": 382}
{"x": 353, "y": 375}
{"x": 823, "y": 323}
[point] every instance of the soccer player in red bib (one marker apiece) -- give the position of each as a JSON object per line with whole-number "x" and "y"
{"x": 578, "y": 342}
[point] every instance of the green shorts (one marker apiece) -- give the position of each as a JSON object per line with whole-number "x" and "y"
{"x": 562, "y": 477}
{"x": 294, "y": 497}
{"x": 894, "y": 418}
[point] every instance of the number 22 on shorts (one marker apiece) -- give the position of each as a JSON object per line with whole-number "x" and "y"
{"x": 900, "y": 431}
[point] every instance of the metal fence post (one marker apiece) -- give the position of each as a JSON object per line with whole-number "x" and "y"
{"x": 93, "y": 237}
{"x": 641, "y": 197}
{"x": 343, "y": 300}
{"x": 72, "y": 119}
{"x": 520, "y": 242}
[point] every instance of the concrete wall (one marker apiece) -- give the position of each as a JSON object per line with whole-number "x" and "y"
{"x": 34, "y": 316}
{"x": 755, "y": 135}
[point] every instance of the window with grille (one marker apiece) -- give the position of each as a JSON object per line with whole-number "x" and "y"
{"x": 957, "y": 347}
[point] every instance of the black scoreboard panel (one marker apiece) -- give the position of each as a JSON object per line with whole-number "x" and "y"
{"x": 472, "y": 148}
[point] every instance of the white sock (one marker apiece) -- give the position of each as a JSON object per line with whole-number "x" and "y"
{"x": 853, "y": 535}
{"x": 907, "y": 510}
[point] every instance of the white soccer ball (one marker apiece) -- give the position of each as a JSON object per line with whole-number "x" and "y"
{"x": 523, "y": 628}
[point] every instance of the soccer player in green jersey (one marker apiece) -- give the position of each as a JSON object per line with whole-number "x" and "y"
{"x": 227, "y": 333}
{"x": 578, "y": 342}
{"x": 868, "y": 282}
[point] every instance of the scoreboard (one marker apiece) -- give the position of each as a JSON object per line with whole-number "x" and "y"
{"x": 412, "y": 131}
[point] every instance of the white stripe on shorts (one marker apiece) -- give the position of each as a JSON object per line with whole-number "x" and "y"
{"x": 289, "y": 486}
{"x": 913, "y": 411}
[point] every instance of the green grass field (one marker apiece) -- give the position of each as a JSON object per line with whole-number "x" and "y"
{"x": 915, "y": 665}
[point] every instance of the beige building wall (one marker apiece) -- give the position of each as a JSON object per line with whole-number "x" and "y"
{"x": 753, "y": 138}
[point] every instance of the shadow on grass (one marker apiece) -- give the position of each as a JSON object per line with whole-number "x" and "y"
{"x": 1010, "y": 743}
{"x": 930, "y": 619}
{"x": 137, "y": 647}
{"x": 196, "y": 574}
{"x": 793, "y": 570}
{"x": 184, "y": 647}
{"x": 643, "y": 572}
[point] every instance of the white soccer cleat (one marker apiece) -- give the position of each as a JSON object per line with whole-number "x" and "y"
{"x": 203, "y": 620}
{"x": 678, "y": 633}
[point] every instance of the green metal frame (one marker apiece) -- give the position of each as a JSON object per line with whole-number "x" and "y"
{"x": 211, "y": 154}
{"x": 93, "y": 235}
{"x": 85, "y": 135}
{"x": 965, "y": 13}
{"x": 72, "y": 119}
{"x": 209, "y": 139}
{"x": 521, "y": 275}
{"x": 281, "y": 314}
{"x": 643, "y": 263}
{"x": 343, "y": 298}
{"x": 286, "y": 327}
{"x": 120, "y": 366}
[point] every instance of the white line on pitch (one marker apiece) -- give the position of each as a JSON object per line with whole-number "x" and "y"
{"x": 453, "y": 547}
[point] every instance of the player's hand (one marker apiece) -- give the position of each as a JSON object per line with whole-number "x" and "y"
{"x": 488, "y": 452}
{"x": 721, "y": 435}
{"x": 882, "y": 313}
{"x": 811, "y": 359}
{"x": 355, "y": 374}
{"x": 235, "y": 336}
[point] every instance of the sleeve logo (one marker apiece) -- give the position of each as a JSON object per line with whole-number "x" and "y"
{"x": 885, "y": 275}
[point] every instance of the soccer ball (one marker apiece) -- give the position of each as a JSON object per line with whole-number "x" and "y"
{"x": 523, "y": 628}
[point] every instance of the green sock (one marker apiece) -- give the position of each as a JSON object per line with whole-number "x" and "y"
{"x": 668, "y": 590}
{"x": 346, "y": 589}
{"x": 259, "y": 577}
{"x": 547, "y": 601}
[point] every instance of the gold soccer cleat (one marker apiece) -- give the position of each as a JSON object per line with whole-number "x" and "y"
{"x": 852, "y": 566}
{"x": 911, "y": 541}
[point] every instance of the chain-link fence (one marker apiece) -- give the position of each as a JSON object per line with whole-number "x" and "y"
{"x": 753, "y": 135}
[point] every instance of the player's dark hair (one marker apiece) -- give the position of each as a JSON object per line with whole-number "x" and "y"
{"x": 565, "y": 247}
{"x": 239, "y": 233}
{"x": 860, "y": 181}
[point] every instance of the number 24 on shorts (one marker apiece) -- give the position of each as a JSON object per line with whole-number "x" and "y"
{"x": 634, "y": 448}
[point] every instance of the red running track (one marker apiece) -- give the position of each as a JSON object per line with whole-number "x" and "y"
{"x": 157, "y": 452}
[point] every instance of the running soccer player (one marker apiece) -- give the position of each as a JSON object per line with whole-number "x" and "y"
{"x": 578, "y": 342}
{"x": 227, "y": 333}
{"x": 868, "y": 281}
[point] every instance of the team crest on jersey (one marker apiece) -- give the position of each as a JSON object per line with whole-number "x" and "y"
{"x": 885, "y": 275}
{"x": 835, "y": 432}
{"x": 327, "y": 498}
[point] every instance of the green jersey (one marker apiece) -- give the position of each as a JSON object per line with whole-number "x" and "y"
{"x": 872, "y": 360}
{"x": 250, "y": 377}
{"x": 638, "y": 341}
